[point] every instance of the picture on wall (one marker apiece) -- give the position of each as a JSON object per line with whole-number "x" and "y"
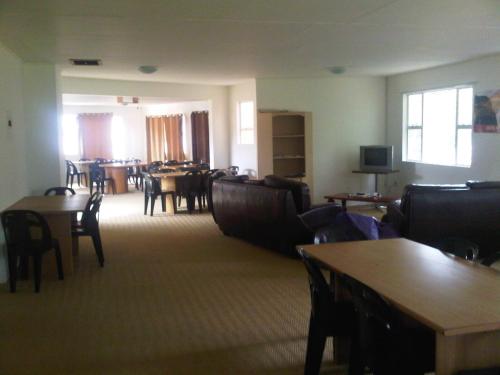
{"x": 487, "y": 112}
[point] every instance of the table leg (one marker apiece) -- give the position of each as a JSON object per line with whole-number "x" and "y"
{"x": 168, "y": 184}
{"x": 120, "y": 176}
{"x": 60, "y": 228}
{"x": 469, "y": 351}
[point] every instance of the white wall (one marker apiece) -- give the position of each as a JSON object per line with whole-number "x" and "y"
{"x": 41, "y": 119}
{"x": 217, "y": 96}
{"x": 134, "y": 120}
{"x": 346, "y": 113}
{"x": 28, "y": 99}
{"x": 483, "y": 74}
{"x": 244, "y": 156}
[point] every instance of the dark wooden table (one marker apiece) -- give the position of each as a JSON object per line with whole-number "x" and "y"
{"x": 344, "y": 197}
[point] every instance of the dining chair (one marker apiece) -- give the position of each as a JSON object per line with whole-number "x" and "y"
{"x": 233, "y": 170}
{"x": 328, "y": 318}
{"x": 72, "y": 171}
{"x": 89, "y": 225}
{"x": 27, "y": 234}
{"x": 98, "y": 177}
{"x": 189, "y": 187}
{"x": 152, "y": 190}
{"x": 154, "y": 166}
{"x": 387, "y": 342}
{"x": 59, "y": 190}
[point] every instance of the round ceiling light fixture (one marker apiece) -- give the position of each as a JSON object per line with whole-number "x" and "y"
{"x": 148, "y": 69}
{"x": 337, "y": 70}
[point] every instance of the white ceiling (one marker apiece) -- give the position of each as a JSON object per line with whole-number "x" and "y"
{"x": 227, "y": 41}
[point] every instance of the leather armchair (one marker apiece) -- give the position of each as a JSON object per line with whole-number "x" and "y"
{"x": 429, "y": 214}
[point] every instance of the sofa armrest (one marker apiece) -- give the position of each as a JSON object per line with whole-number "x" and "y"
{"x": 394, "y": 215}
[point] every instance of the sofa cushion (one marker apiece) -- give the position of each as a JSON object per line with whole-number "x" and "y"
{"x": 300, "y": 191}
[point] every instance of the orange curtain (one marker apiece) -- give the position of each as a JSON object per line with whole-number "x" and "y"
{"x": 164, "y": 138}
{"x": 199, "y": 132}
{"x": 95, "y": 131}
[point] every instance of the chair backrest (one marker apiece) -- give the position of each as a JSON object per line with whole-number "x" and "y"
{"x": 152, "y": 185}
{"x": 188, "y": 184}
{"x": 460, "y": 247}
{"x": 338, "y": 233}
{"x": 204, "y": 166}
{"x": 233, "y": 169}
{"x": 171, "y": 162}
{"x": 100, "y": 160}
{"x": 96, "y": 172}
{"x": 59, "y": 190}
{"x": 71, "y": 167}
{"x": 188, "y": 169}
{"x": 154, "y": 166}
{"x": 22, "y": 228}
{"x": 90, "y": 217}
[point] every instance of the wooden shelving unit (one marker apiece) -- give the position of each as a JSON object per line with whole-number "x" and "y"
{"x": 284, "y": 145}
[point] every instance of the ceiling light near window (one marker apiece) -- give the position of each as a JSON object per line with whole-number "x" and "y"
{"x": 148, "y": 69}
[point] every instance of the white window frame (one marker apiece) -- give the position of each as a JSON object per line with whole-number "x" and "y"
{"x": 239, "y": 123}
{"x": 420, "y": 127}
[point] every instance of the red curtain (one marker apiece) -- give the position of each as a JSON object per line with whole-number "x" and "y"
{"x": 95, "y": 131}
{"x": 164, "y": 138}
{"x": 199, "y": 133}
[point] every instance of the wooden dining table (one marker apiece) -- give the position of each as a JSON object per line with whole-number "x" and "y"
{"x": 119, "y": 173}
{"x": 58, "y": 211}
{"x": 457, "y": 299}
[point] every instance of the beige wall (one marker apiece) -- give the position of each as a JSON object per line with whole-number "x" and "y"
{"x": 346, "y": 113}
{"x": 483, "y": 74}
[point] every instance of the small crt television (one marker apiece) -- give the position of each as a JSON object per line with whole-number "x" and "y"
{"x": 376, "y": 158}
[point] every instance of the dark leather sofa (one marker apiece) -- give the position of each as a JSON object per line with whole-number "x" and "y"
{"x": 263, "y": 212}
{"x": 432, "y": 213}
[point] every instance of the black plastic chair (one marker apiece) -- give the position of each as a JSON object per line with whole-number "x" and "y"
{"x": 189, "y": 169}
{"x": 152, "y": 189}
{"x": 72, "y": 171}
{"x": 59, "y": 190}
{"x": 460, "y": 247}
{"x": 328, "y": 318}
{"x": 27, "y": 234}
{"x": 98, "y": 177}
{"x": 233, "y": 170}
{"x": 204, "y": 166}
{"x": 189, "y": 187}
{"x": 89, "y": 225}
{"x": 386, "y": 342}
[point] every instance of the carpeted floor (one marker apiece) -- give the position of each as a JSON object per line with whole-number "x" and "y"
{"x": 175, "y": 297}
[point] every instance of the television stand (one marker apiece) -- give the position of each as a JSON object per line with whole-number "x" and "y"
{"x": 376, "y": 173}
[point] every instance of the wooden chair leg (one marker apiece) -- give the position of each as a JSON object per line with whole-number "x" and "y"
{"x": 12, "y": 259}
{"x": 37, "y": 268}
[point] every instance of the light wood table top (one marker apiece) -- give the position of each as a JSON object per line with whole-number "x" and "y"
{"x": 122, "y": 165}
{"x": 448, "y": 294}
{"x": 52, "y": 204}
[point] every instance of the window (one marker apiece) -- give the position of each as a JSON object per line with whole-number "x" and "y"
{"x": 438, "y": 126}
{"x": 70, "y": 135}
{"x": 246, "y": 121}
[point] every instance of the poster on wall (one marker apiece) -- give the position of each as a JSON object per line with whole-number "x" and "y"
{"x": 487, "y": 112}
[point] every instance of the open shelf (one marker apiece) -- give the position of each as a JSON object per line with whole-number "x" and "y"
{"x": 289, "y": 136}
